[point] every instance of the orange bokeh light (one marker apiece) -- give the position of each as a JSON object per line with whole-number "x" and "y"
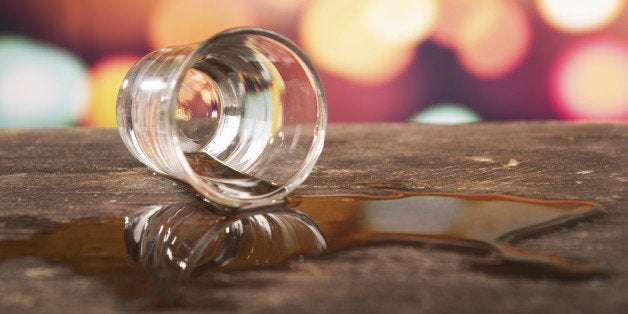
{"x": 453, "y": 16}
{"x": 105, "y": 78}
{"x": 403, "y": 22}
{"x": 358, "y": 40}
{"x": 280, "y": 15}
{"x": 179, "y": 22}
{"x": 491, "y": 37}
{"x": 590, "y": 81}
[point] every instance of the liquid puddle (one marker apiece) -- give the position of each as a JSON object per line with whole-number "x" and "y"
{"x": 175, "y": 242}
{"x": 486, "y": 223}
{"x": 90, "y": 247}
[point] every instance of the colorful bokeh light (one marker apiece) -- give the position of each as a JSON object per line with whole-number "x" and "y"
{"x": 89, "y": 28}
{"x": 576, "y": 16}
{"x": 395, "y": 100}
{"x": 402, "y": 22}
{"x": 446, "y": 113}
{"x": 40, "y": 85}
{"x": 379, "y": 60}
{"x": 491, "y": 37}
{"x": 280, "y": 15}
{"x": 452, "y": 17}
{"x": 590, "y": 81}
{"x": 180, "y": 22}
{"x": 106, "y": 77}
{"x": 352, "y": 38}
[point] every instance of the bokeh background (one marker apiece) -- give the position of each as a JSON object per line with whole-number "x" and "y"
{"x": 439, "y": 61}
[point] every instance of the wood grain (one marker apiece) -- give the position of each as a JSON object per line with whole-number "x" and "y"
{"x": 53, "y": 176}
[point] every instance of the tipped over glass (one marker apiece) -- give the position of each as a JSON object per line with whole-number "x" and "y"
{"x": 239, "y": 117}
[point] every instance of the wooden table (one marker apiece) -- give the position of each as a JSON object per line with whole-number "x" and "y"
{"x": 51, "y": 178}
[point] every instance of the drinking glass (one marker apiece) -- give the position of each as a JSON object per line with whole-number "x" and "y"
{"x": 240, "y": 117}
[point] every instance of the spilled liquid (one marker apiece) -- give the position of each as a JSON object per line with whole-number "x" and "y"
{"x": 176, "y": 242}
{"x": 90, "y": 247}
{"x": 487, "y": 223}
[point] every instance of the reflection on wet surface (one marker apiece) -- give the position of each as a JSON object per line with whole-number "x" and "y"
{"x": 177, "y": 241}
{"x": 487, "y": 223}
{"x": 173, "y": 241}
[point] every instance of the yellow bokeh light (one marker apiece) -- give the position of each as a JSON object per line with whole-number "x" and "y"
{"x": 281, "y": 7}
{"x": 106, "y": 77}
{"x": 579, "y": 15}
{"x": 591, "y": 81}
{"x": 401, "y": 21}
{"x": 348, "y": 38}
{"x": 491, "y": 37}
{"x": 179, "y": 22}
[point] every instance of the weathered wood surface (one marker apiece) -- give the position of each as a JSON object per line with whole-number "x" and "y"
{"x": 49, "y": 176}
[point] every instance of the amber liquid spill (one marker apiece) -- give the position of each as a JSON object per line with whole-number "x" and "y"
{"x": 485, "y": 223}
{"x": 176, "y": 242}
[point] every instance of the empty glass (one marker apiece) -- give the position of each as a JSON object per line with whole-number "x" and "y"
{"x": 240, "y": 117}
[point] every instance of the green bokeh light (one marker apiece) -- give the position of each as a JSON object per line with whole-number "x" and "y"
{"x": 446, "y": 113}
{"x": 40, "y": 85}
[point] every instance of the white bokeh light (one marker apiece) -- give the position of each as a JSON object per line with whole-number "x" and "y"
{"x": 579, "y": 15}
